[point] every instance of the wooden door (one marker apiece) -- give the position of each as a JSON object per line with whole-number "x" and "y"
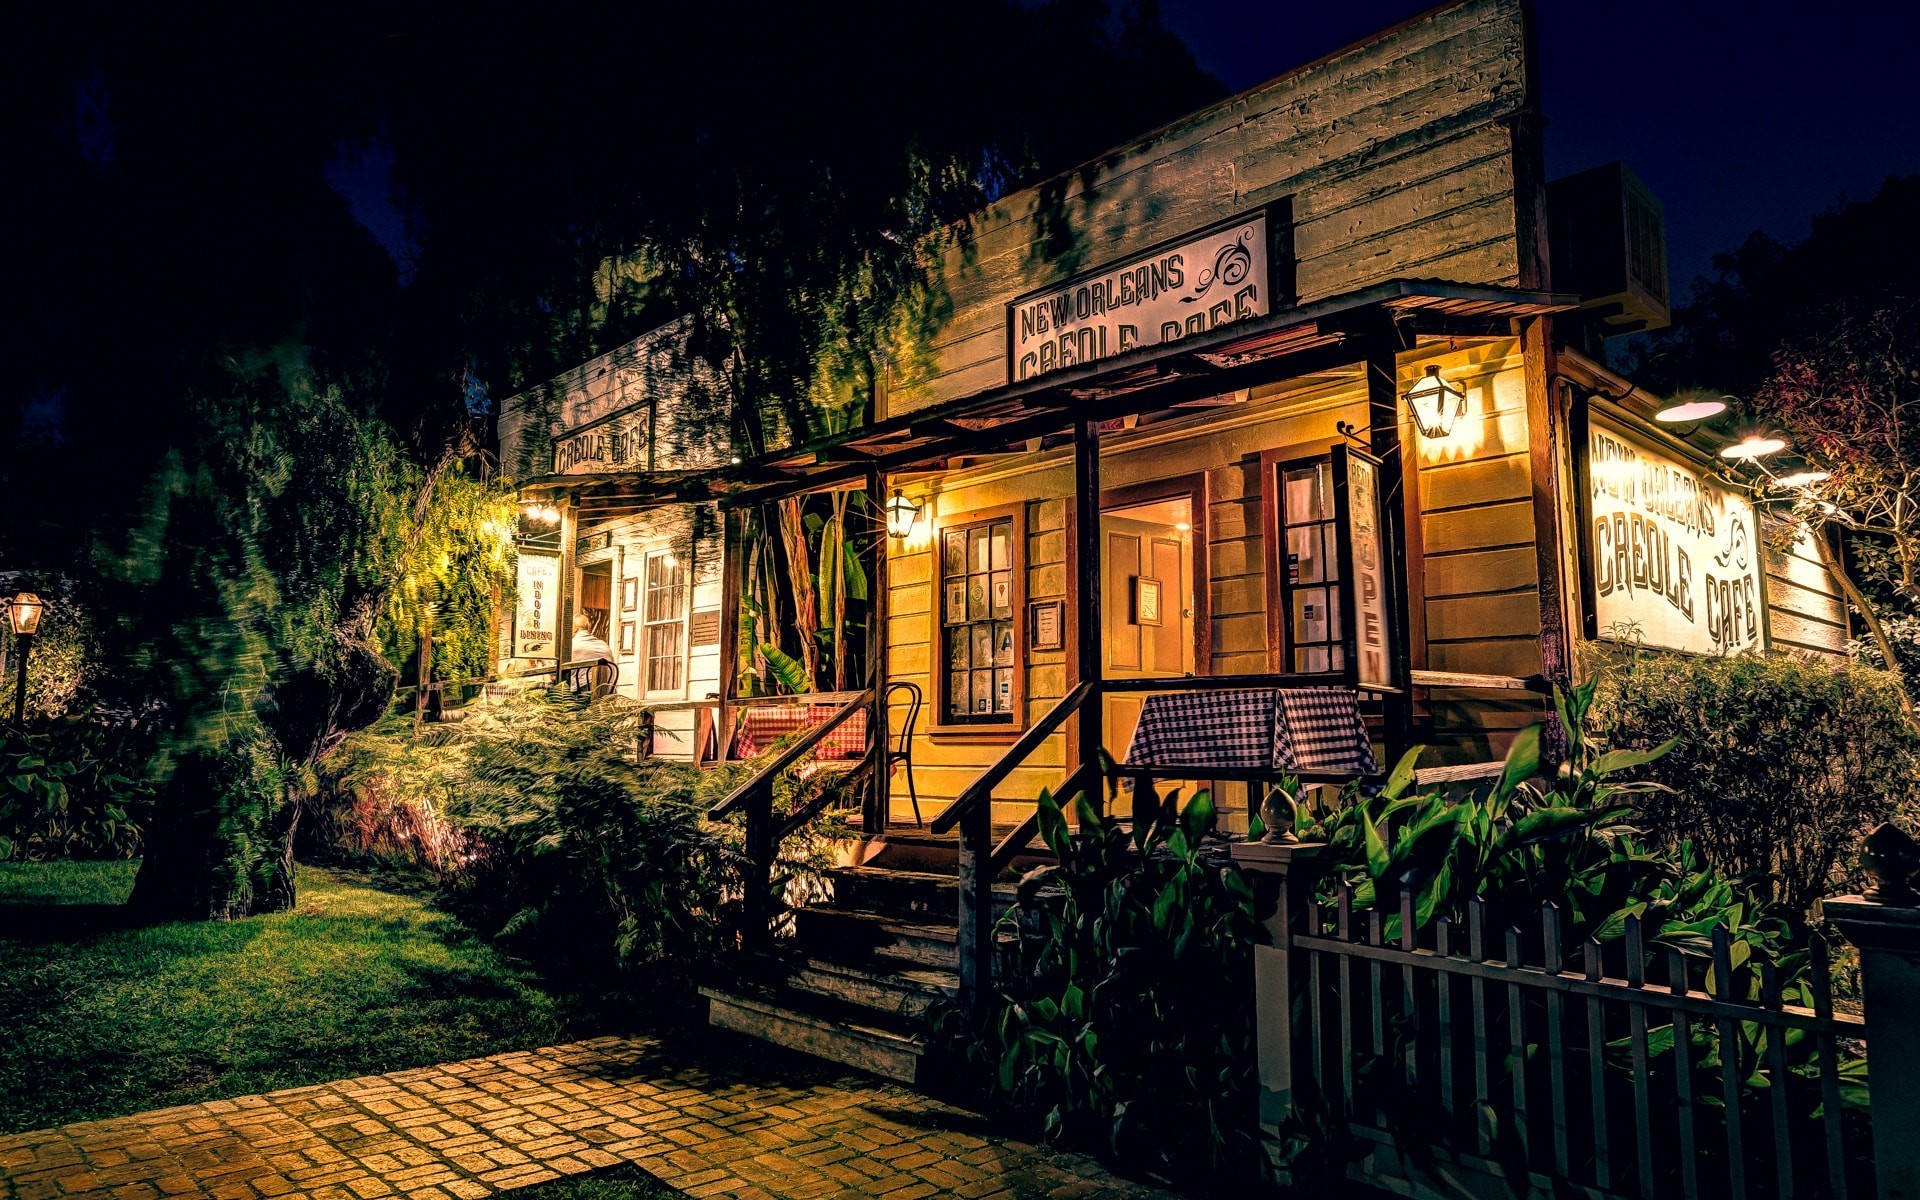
{"x": 1134, "y": 644}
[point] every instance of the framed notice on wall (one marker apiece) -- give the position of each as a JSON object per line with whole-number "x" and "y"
{"x": 534, "y": 608}
{"x": 1372, "y": 639}
{"x": 1670, "y": 556}
{"x": 1046, "y": 625}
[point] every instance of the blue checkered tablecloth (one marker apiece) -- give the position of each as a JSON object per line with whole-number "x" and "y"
{"x": 1289, "y": 729}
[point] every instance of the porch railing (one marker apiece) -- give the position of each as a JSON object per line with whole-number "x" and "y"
{"x": 1506, "y": 1056}
{"x": 765, "y": 830}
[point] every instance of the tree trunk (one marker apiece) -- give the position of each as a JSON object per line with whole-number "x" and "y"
{"x": 1831, "y": 561}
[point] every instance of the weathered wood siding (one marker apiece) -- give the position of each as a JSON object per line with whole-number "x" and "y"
{"x": 654, "y": 369}
{"x": 1479, "y": 578}
{"x": 1396, "y": 156}
{"x": 1805, "y": 611}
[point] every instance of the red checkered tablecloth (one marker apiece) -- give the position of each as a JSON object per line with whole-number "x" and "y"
{"x": 760, "y": 727}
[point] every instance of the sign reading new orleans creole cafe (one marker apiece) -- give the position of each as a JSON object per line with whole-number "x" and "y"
{"x": 1212, "y": 279}
{"x": 1676, "y": 556}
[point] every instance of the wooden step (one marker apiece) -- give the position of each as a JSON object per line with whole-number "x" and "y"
{"x": 819, "y": 1028}
{"x": 906, "y": 992}
{"x": 852, "y": 934}
{"x": 923, "y": 897}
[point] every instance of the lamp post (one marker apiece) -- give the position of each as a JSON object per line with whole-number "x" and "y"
{"x": 23, "y": 615}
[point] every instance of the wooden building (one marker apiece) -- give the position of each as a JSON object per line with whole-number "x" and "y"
{"x": 1287, "y": 394}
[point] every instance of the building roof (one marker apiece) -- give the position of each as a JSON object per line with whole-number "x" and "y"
{"x": 1163, "y": 375}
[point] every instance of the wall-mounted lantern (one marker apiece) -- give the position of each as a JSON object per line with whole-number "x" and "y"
{"x": 1435, "y": 404}
{"x": 902, "y": 514}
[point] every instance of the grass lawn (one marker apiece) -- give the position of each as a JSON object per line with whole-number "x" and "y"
{"x": 102, "y": 1018}
{"x": 614, "y": 1183}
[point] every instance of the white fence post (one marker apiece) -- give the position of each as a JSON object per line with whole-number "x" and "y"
{"x": 1283, "y": 875}
{"x": 1888, "y": 937}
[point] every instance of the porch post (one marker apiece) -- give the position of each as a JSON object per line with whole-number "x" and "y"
{"x": 1383, "y": 422}
{"x": 1283, "y": 876}
{"x": 563, "y": 616}
{"x": 1547, "y": 431}
{"x": 731, "y": 536}
{"x": 1887, "y": 934}
{"x": 875, "y": 815}
{"x": 1086, "y": 539}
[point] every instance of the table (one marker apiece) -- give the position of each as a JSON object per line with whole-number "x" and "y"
{"x": 1286, "y": 729}
{"x": 759, "y": 728}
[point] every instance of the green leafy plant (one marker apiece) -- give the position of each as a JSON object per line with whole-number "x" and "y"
{"x": 71, "y": 788}
{"x": 1126, "y": 1022}
{"x": 1779, "y": 764}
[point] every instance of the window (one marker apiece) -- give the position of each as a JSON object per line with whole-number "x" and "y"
{"x": 1312, "y": 601}
{"x": 979, "y": 593}
{"x": 663, "y": 611}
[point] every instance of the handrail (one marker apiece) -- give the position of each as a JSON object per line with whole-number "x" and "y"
{"x": 792, "y": 698}
{"x": 1198, "y": 683}
{"x": 981, "y": 790}
{"x": 791, "y": 754}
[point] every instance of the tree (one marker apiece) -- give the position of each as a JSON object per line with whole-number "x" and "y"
{"x": 1848, "y": 395}
{"x": 272, "y": 548}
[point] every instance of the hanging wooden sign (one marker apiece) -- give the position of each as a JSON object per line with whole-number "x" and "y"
{"x": 535, "y": 605}
{"x": 1372, "y": 647}
{"x": 1671, "y": 556}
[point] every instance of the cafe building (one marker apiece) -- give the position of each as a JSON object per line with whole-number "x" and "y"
{"x": 1270, "y": 444}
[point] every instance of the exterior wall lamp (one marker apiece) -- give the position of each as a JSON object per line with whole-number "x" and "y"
{"x": 23, "y": 617}
{"x": 1751, "y": 447}
{"x": 902, "y": 515}
{"x": 1435, "y": 404}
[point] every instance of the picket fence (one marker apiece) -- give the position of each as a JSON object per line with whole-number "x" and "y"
{"x": 1469, "y": 1060}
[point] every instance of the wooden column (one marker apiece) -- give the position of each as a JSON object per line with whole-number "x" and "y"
{"x": 1086, "y": 564}
{"x": 1547, "y": 434}
{"x": 732, "y": 539}
{"x": 876, "y": 813}
{"x": 563, "y": 615}
{"x": 1383, "y": 439}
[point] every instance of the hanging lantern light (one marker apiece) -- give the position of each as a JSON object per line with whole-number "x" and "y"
{"x": 1435, "y": 404}
{"x": 23, "y": 614}
{"x": 902, "y": 513}
{"x": 1753, "y": 446}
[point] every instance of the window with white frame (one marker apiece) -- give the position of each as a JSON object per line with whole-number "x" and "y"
{"x": 663, "y": 612}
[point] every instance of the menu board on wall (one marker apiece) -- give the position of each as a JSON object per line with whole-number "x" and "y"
{"x": 1364, "y": 545}
{"x": 1672, "y": 555}
{"x": 534, "y": 608}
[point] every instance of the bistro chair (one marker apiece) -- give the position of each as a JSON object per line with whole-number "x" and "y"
{"x": 902, "y": 751}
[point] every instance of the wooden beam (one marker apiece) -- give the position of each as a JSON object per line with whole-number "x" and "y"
{"x": 1086, "y": 535}
{"x": 1383, "y": 421}
{"x": 1547, "y": 434}
{"x": 563, "y": 615}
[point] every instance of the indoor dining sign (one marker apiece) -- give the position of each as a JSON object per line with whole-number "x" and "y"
{"x": 1185, "y": 288}
{"x": 1673, "y": 555}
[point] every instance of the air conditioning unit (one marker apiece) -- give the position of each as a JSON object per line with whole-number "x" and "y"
{"x": 1608, "y": 238}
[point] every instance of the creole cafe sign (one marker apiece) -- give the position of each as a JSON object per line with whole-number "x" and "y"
{"x": 1673, "y": 557}
{"x": 1181, "y": 289}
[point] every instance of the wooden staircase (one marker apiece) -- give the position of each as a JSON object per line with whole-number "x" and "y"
{"x": 858, "y": 980}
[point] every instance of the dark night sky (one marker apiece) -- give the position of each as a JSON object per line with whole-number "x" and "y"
{"x": 1739, "y": 116}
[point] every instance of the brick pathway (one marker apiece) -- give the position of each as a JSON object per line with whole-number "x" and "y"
{"x": 708, "y": 1121}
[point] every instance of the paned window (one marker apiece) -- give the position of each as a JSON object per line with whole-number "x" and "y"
{"x": 979, "y": 594}
{"x": 663, "y": 611}
{"x": 1310, "y": 582}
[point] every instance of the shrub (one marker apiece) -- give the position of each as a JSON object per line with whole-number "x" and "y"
{"x": 71, "y": 788}
{"x": 543, "y": 826}
{"x": 1781, "y": 765}
{"x": 1128, "y": 1020}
